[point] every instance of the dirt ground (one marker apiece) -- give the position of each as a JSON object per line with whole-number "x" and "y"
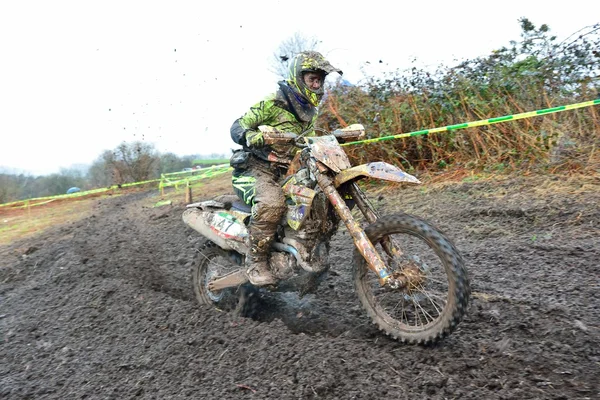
{"x": 103, "y": 308}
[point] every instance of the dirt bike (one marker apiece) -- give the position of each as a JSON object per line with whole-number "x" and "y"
{"x": 409, "y": 277}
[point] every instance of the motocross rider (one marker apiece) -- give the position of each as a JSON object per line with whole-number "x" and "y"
{"x": 258, "y": 169}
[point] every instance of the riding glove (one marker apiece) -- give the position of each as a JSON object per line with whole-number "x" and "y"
{"x": 255, "y": 139}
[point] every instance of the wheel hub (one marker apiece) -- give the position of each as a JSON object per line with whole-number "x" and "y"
{"x": 410, "y": 278}
{"x": 214, "y": 296}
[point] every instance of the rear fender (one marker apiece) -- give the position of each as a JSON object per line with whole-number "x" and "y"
{"x": 377, "y": 170}
{"x": 219, "y": 226}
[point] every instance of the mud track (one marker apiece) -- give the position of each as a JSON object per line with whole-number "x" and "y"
{"x": 103, "y": 309}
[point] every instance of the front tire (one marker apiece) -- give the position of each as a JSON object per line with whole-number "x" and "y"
{"x": 435, "y": 302}
{"x": 212, "y": 261}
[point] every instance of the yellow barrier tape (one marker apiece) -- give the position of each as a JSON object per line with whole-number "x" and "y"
{"x": 200, "y": 174}
{"x": 481, "y": 122}
{"x": 73, "y": 195}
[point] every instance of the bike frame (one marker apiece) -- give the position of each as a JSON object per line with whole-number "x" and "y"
{"x": 327, "y": 155}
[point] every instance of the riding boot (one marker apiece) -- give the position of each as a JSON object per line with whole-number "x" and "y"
{"x": 257, "y": 266}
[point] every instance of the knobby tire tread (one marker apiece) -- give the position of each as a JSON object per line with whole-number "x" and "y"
{"x": 246, "y": 295}
{"x": 458, "y": 298}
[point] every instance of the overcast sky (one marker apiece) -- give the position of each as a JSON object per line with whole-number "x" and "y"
{"x": 80, "y": 77}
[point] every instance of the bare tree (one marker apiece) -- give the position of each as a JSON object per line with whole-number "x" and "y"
{"x": 288, "y": 49}
{"x": 101, "y": 172}
{"x": 137, "y": 161}
{"x": 9, "y": 188}
{"x": 170, "y": 162}
{"x": 129, "y": 162}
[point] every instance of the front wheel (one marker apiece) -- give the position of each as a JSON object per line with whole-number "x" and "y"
{"x": 211, "y": 262}
{"x": 434, "y": 299}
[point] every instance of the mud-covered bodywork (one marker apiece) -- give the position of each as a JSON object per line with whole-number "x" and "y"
{"x": 377, "y": 170}
{"x": 327, "y": 150}
{"x": 299, "y": 200}
{"x": 224, "y": 227}
{"x": 350, "y": 133}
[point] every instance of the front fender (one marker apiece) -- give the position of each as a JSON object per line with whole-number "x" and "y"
{"x": 376, "y": 170}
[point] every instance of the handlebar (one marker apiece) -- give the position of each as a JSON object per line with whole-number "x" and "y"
{"x": 273, "y": 136}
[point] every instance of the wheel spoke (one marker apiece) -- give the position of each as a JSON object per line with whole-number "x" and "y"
{"x": 418, "y": 319}
{"x": 436, "y": 281}
{"x": 425, "y": 313}
{"x": 396, "y": 307}
{"x": 429, "y": 297}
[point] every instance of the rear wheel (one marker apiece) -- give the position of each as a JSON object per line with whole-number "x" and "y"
{"x": 435, "y": 296}
{"x": 212, "y": 261}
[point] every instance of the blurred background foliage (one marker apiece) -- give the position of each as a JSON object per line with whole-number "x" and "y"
{"x": 534, "y": 73}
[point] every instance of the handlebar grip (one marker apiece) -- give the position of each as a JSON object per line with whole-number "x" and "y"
{"x": 279, "y": 137}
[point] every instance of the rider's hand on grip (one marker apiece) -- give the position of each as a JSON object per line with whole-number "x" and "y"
{"x": 255, "y": 139}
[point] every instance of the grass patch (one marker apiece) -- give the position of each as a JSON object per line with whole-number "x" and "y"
{"x": 26, "y": 222}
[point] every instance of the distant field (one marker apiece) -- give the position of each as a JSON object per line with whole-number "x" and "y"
{"x": 215, "y": 161}
{"x": 20, "y": 222}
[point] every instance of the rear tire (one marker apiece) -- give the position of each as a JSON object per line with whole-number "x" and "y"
{"x": 435, "y": 309}
{"x": 212, "y": 261}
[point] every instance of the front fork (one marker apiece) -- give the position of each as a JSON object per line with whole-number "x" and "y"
{"x": 371, "y": 216}
{"x": 362, "y": 242}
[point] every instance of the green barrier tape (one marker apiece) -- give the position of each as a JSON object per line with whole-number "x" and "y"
{"x": 206, "y": 173}
{"x": 73, "y": 195}
{"x": 139, "y": 183}
{"x": 57, "y": 197}
{"x": 36, "y": 204}
{"x": 163, "y": 203}
{"x": 482, "y": 122}
{"x": 196, "y": 172}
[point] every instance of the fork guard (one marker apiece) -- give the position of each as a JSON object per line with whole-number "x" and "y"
{"x": 377, "y": 170}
